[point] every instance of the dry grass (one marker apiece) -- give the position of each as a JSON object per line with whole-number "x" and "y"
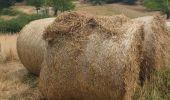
{"x": 15, "y": 81}
{"x": 26, "y": 9}
{"x": 6, "y": 17}
{"x": 112, "y": 9}
{"x": 8, "y": 50}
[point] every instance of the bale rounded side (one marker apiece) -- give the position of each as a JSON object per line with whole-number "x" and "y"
{"x": 31, "y": 46}
{"x": 156, "y": 50}
{"x": 94, "y": 64}
{"x": 168, "y": 25}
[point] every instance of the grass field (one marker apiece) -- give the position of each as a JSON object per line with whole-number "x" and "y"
{"x": 8, "y": 48}
{"x": 114, "y": 9}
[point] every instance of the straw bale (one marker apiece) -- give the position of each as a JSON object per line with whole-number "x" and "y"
{"x": 31, "y": 46}
{"x": 168, "y": 25}
{"x": 87, "y": 60}
{"x": 156, "y": 50}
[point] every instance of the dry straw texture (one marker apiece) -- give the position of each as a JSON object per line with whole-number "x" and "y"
{"x": 31, "y": 46}
{"x": 156, "y": 50}
{"x": 8, "y": 50}
{"x": 168, "y": 25}
{"x": 155, "y": 53}
{"x": 91, "y": 58}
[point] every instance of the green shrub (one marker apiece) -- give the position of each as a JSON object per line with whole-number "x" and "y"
{"x": 129, "y": 1}
{"x": 6, "y": 3}
{"x": 164, "y": 84}
{"x": 98, "y": 2}
{"x": 19, "y": 0}
{"x": 16, "y": 24}
{"x": 10, "y": 12}
{"x": 60, "y": 5}
{"x": 161, "y": 5}
{"x": 158, "y": 88}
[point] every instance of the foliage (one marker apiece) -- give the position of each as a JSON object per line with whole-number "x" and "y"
{"x": 129, "y": 1}
{"x": 10, "y": 12}
{"x": 161, "y": 5}
{"x": 164, "y": 84}
{"x": 60, "y": 5}
{"x": 19, "y": 0}
{"x": 36, "y": 3}
{"x": 6, "y": 3}
{"x": 112, "y": 1}
{"x": 98, "y": 2}
{"x": 157, "y": 89}
{"x": 16, "y": 24}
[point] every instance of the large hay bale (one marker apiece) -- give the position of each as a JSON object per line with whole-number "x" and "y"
{"x": 90, "y": 58}
{"x": 168, "y": 25}
{"x": 31, "y": 46}
{"x": 156, "y": 50}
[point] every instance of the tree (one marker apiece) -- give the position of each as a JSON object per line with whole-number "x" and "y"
{"x": 19, "y": 0}
{"x": 160, "y": 5}
{"x": 36, "y": 3}
{"x": 60, "y": 5}
{"x": 6, "y": 3}
{"x": 131, "y": 2}
{"x": 112, "y": 1}
{"x": 99, "y": 2}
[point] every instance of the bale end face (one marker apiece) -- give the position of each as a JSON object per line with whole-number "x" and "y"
{"x": 31, "y": 46}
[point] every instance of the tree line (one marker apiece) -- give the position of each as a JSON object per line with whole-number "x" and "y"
{"x": 62, "y": 5}
{"x": 111, "y": 1}
{"x": 58, "y": 5}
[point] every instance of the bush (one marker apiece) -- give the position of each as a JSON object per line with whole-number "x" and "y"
{"x": 129, "y": 1}
{"x": 36, "y": 3}
{"x": 98, "y": 2}
{"x": 161, "y": 5}
{"x": 19, "y": 0}
{"x": 158, "y": 89}
{"x": 16, "y": 24}
{"x": 112, "y": 1}
{"x": 6, "y": 3}
{"x": 60, "y": 5}
{"x": 164, "y": 84}
{"x": 10, "y": 12}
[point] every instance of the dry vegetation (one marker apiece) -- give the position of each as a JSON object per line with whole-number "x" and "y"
{"x": 25, "y": 9}
{"x": 114, "y": 9}
{"x": 15, "y": 82}
{"x": 8, "y": 48}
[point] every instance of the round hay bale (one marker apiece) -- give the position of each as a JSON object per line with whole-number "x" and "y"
{"x": 155, "y": 54}
{"x": 168, "y": 25}
{"x": 31, "y": 46}
{"x": 87, "y": 60}
{"x": 156, "y": 50}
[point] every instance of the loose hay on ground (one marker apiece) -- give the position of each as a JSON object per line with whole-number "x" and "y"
{"x": 31, "y": 46}
{"x": 89, "y": 58}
